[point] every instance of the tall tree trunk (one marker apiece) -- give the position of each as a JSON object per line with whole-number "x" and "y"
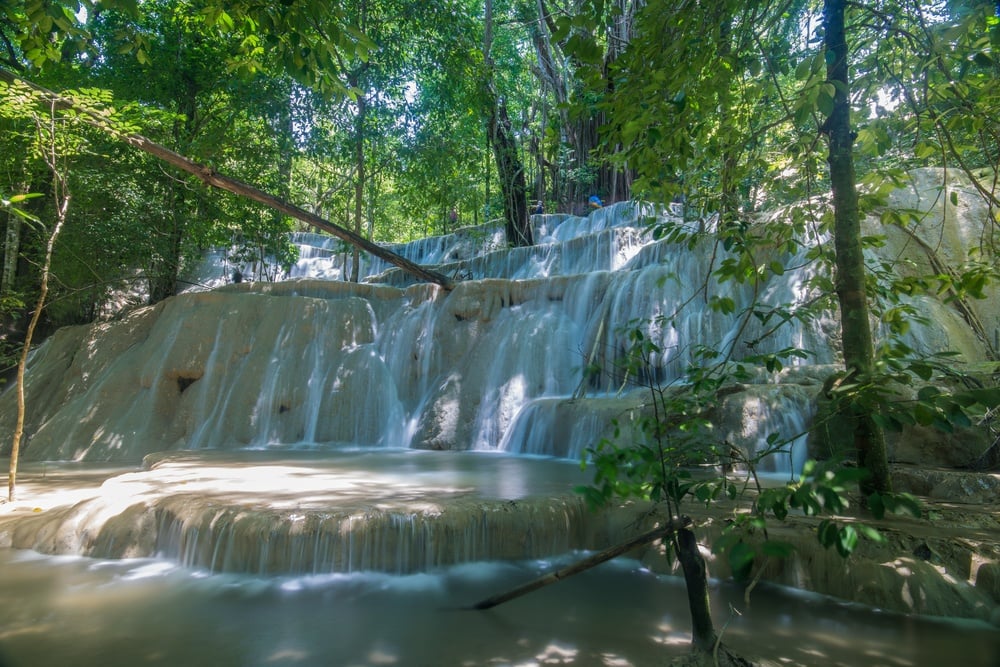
{"x": 358, "y": 81}
{"x": 869, "y": 440}
{"x": 510, "y": 171}
{"x": 22, "y": 363}
{"x": 728, "y": 193}
{"x": 359, "y": 185}
{"x": 580, "y": 132}
{"x": 166, "y": 269}
{"x": 703, "y": 636}
{"x": 511, "y": 174}
{"x": 61, "y": 197}
{"x": 15, "y": 232}
{"x": 285, "y": 122}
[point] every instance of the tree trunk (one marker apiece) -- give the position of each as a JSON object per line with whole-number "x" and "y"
{"x": 359, "y": 184}
{"x": 166, "y": 268}
{"x": 728, "y": 193}
{"x": 15, "y": 236}
{"x": 11, "y": 252}
{"x": 591, "y": 561}
{"x": 164, "y": 273}
{"x": 703, "y": 637}
{"x": 510, "y": 171}
{"x": 359, "y": 81}
{"x": 22, "y": 363}
{"x": 511, "y": 174}
{"x": 61, "y": 196}
{"x": 868, "y": 438}
{"x": 285, "y": 133}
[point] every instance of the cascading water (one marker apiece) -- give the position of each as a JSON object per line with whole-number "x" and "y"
{"x": 305, "y": 399}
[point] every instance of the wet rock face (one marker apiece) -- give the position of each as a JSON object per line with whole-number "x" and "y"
{"x": 913, "y": 444}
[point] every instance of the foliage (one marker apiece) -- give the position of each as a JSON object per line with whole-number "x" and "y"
{"x": 661, "y": 457}
{"x": 690, "y": 115}
{"x": 308, "y": 38}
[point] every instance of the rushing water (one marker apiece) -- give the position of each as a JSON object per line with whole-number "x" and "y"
{"x": 60, "y": 611}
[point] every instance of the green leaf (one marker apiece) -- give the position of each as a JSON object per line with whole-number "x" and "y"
{"x": 562, "y": 28}
{"x": 924, "y": 415}
{"x": 740, "y": 558}
{"x": 827, "y": 533}
{"x": 16, "y": 199}
{"x": 871, "y": 533}
{"x": 803, "y": 70}
{"x": 824, "y": 100}
{"x": 928, "y": 393}
{"x": 780, "y": 511}
{"x": 722, "y": 304}
{"x": 847, "y": 540}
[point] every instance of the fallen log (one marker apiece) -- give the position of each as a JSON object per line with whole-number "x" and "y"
{"x": 585, "y": 564}
{"x": 211, "y": 177}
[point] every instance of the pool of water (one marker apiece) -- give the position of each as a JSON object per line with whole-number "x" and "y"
{"x": 84, "y": 612}
{"x": 71, "y": 610}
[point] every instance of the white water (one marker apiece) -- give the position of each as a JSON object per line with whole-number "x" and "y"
{"x": 318, "y": 363}
{"x": 498, "y": 363}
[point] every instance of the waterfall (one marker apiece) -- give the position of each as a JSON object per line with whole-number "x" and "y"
{"x": 524, "y": 355}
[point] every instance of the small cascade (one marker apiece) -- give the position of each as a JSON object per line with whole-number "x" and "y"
{"x": 269, "y": 542}
{"x": 268, "y": 512}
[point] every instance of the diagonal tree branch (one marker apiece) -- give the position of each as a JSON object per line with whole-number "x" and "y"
{"x": 210, "y": 176}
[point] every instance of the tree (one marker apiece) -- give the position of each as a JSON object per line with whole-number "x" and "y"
{"x": 53, "y": 146}
{"x": 208, "y": 115}
{"x": 668, "y": 120}
{"x": 508, "y": 160}
{"x": 577, "y": 44}
{"x": 856, "y": 335}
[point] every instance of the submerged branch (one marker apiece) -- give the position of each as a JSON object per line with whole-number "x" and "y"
{"x": 580, "y": 566}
